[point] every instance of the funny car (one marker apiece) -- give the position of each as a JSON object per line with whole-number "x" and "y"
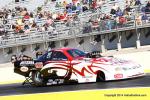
{"x": 72, "y": 65}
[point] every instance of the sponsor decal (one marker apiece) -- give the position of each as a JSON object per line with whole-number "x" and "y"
{"x": 24, "y": 69}
{"x": 27, "y": 63}
{"x": 117, "y": 76}
{"x": 109, "y": 61}
{"x": 87, "y": 76}
{"x": 38, "y": 64}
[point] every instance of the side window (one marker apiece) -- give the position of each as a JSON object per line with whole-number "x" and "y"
{"x": 43, "y": 57}
{"x": 58, "y": 56}
{"x": 48, "y": 56}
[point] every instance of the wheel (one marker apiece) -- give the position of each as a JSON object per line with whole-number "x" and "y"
{"x": 100, "y": 77}
{"x": 37, "y": 79}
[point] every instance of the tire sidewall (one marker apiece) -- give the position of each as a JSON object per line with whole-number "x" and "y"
{"x": 100, "y": 77}
{"x": 37, "y": 79}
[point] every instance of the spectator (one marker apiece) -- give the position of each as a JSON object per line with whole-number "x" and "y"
{"x": 31, "y": 20}
{"x": 64, "y": 4}
{"x": 58, "y": 4}
{"x": 148, "y": 4}
{"x": 5, "y": 21}
{"x": 69, "y": 10}
{"x": 122, "y": 21}
{"x": 119, "y": 12}
{"x": 147, "y": 7}
{"x": 26, "y": 16}
{"x": 40, "y": 15}
{"x": 128, "y": 2}
{"x": 49, "y": 21}
{"x": 114, "y": 9}
{"x": 24, "y": 12}
{"x": 44, "y": 28}
{"x": 79, "y": 8}
{"x": 33, "y": 25}
{"x": 84, "y": 8}
{"x": 75, "y": 1}
{"x": 132, "y": 3}
{"x": 26, "y": 26}
{"x": 1, "y": 14}
{"x": 144, "y": 18}
{"x": 20, "y": 21}
{"x": 108, "y": 24}
{"x": 84, "y": 2}
{"x": 137, "y": 2}
{"x": 94, "y": 4}
{"x": 54, "y": 16}
{"x": 18, "y": 29}
{"x": 138, "y": 19}
{"x": 62, "y": 17}
{"x": 74, "y": 7}
{"x": 128, "y": 8}
{"x": 90, "y": 3}
{"x": 9, "y": 17}
{"x": 95, "y": 25}
{"x": 100, "y": 3}
{"x": 2, "y": 29}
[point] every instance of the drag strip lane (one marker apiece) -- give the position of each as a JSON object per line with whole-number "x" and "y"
{"x": 18, "y": 89}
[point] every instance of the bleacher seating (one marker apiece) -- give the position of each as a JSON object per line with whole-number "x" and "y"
{"x": 62, "y": 28}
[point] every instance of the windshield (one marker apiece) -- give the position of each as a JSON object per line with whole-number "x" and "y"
{"x": 76, "y": 53}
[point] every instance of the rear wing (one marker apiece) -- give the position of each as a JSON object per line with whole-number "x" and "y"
{"x": 14, "y": 58}
{"x": 94, "y": 54}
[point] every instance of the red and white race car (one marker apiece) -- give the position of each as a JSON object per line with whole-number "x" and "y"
{"x": 72, "y": 65}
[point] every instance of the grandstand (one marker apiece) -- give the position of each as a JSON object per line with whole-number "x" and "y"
{"x": 29, "y": 26}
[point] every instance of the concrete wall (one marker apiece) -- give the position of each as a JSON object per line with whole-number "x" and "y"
{"x": 126, "y": 41}
{"x": 86, "y": 46}
{"x": 143, "y": 39}
{"x": 111, "y": 41}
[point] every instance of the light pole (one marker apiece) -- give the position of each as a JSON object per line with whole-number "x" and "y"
{"x": 136, "y": 30}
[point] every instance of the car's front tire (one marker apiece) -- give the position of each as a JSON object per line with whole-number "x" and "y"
{"x": 100, "y": 76}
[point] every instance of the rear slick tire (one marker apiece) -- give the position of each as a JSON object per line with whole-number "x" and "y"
{"x": 37, "y": 79}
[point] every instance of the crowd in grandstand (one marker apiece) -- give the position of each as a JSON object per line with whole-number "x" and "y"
{"x": 22, "y": 21}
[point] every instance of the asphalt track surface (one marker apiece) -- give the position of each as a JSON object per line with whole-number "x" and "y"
{"x": 19, "y": 89}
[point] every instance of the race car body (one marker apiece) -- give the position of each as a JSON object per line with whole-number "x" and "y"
{"x": 67, "y": 64}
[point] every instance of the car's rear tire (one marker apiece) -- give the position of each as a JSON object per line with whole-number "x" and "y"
{"x": 100, "y": 76}
{"x": 37, "y": 79}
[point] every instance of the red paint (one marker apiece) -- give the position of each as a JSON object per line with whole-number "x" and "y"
{"x": 70, "y": 65}
{"x": 83, "y": 70}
